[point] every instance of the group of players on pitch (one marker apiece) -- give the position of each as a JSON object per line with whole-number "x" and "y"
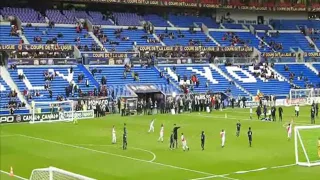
{"x": 174, "y": 136}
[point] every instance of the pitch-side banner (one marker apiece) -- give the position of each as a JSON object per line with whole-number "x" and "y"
{"x": 79, "y": 114}
{"x": 28, "y": 117}
{"x": 46, "y": 117}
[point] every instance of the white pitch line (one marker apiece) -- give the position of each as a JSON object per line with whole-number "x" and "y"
{"x": 127, "y": 157}
{"x": 283, "y": 166}
{"x": 19, "y": 177}
{"x": 106, "y": 145}
{"x": 253, "y": 170}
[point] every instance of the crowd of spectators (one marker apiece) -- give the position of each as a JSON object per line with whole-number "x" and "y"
{"x": 234, "y": 39}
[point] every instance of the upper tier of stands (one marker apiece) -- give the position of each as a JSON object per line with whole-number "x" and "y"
{"x": 187, "y": 21}
{"x": 69, "y": 35}
{"x": 282, "y": 42}
{"x": 138, "y": 36}
{"x": 294, "y": 24}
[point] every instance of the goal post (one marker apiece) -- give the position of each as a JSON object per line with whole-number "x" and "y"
{"x": 307, "y": 145}
{"x": 54, "y": 111}
{"x": 53, "y": 173}
{"x": 304, "y": 96}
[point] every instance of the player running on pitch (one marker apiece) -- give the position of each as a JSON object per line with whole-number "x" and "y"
{"x": 161, "y": 133}
{"x": 251, "y": 112}
{"x": 151, "y": 129}
{"x": 184, "y": 143}
{"x": 238, "y": 128}
{"x": 223, "y": 137}
{"x": 289, "y": 130}
{"x": 114, "y": 138}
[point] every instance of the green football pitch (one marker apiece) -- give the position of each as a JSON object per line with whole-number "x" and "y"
{"x": 86, "y": 148}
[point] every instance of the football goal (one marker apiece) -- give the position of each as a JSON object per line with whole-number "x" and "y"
{"x": 54, "y": 111}
{"x": 304, "y": 96}
{"x": 307, "y": 145}
{"x": 52, "y": 173}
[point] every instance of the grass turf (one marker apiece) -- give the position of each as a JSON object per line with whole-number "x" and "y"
{"x": 86, "y": 148}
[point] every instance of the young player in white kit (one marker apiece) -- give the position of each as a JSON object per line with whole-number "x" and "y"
{"x": 151, "y": 129}
{"x": 161, "y": 133}
{"x": 250, "y": 112}
{"x": 184, "y": 143}
{"x": 114, "y": 138}
{"x": 223, "y": 137}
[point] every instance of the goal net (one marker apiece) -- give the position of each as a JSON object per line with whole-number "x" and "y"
{"x": 304, "y": 96}
{"x": 52, "y": 111}
{"x": 53, "y": 173}
{"x": 307, "y": 145}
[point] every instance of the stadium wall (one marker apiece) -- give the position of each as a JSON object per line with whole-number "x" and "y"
{"x": 252, "y": 15}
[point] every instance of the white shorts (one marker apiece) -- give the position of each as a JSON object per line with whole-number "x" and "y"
{"x": 184, "y": 143}
{"x": 161, "y": 134}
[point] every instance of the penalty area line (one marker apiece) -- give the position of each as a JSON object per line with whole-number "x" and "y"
{"x": 127, "y": 157}
{"x": 16, "y": 176}
{"x": 106, "y": 145}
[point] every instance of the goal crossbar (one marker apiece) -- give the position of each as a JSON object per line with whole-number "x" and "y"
{"x": 51, "y": 170}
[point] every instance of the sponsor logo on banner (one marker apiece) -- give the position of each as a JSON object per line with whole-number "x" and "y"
{"x": 252, "y": 104}
{"x": 7, "y": 119}
{"x": 45, "y": 117}
{"x": 37, "y": 47}
{"x": 79, "y": 114}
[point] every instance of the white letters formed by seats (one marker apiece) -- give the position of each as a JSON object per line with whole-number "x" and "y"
{"x": 69, "y": 77}
{"x": 232, "y": 71}
{"x": 27, "y": 82}
{"x": 172, "y": 74}
{"x": 207, "y": 73}
{"x": 2, "y": 88}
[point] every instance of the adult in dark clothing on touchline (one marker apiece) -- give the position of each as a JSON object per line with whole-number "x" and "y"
{"x": 175, "y": 134}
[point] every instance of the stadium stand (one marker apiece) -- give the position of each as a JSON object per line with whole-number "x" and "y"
{"x": 58, "y": 17}
{"x": 299, "y": 74}
{"x": 26, "y": 15}
{"x": 218, "y": 83}
{"x": 117, "y": 82}
{"x": 156, "y": 20}
{"x": 63, "y": 35}
{"x": 35, "y": 80}
{"x": 127, "y": 19}
{"x": 249, "y": 79}
{"x": 234, "y": 80}
{"x": 184, "y": 38}
{"x": 188, "y": 20}
{"x": 7, "y": 36}
{"x": 124, "y": 39}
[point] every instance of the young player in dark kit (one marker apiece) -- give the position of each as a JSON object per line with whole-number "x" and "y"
{"x": 203, "y": 139}
{"x": 124, "y": 138}
{"x": 124, "y": 142}
{"x": 175, "y": 135}
{"x": 172, "y": 140}
{"x": 250, "y": 136}
{"x": 313, "y": 113}
{"x": 238, "y": 128}
{"x": 280, "y": 113}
